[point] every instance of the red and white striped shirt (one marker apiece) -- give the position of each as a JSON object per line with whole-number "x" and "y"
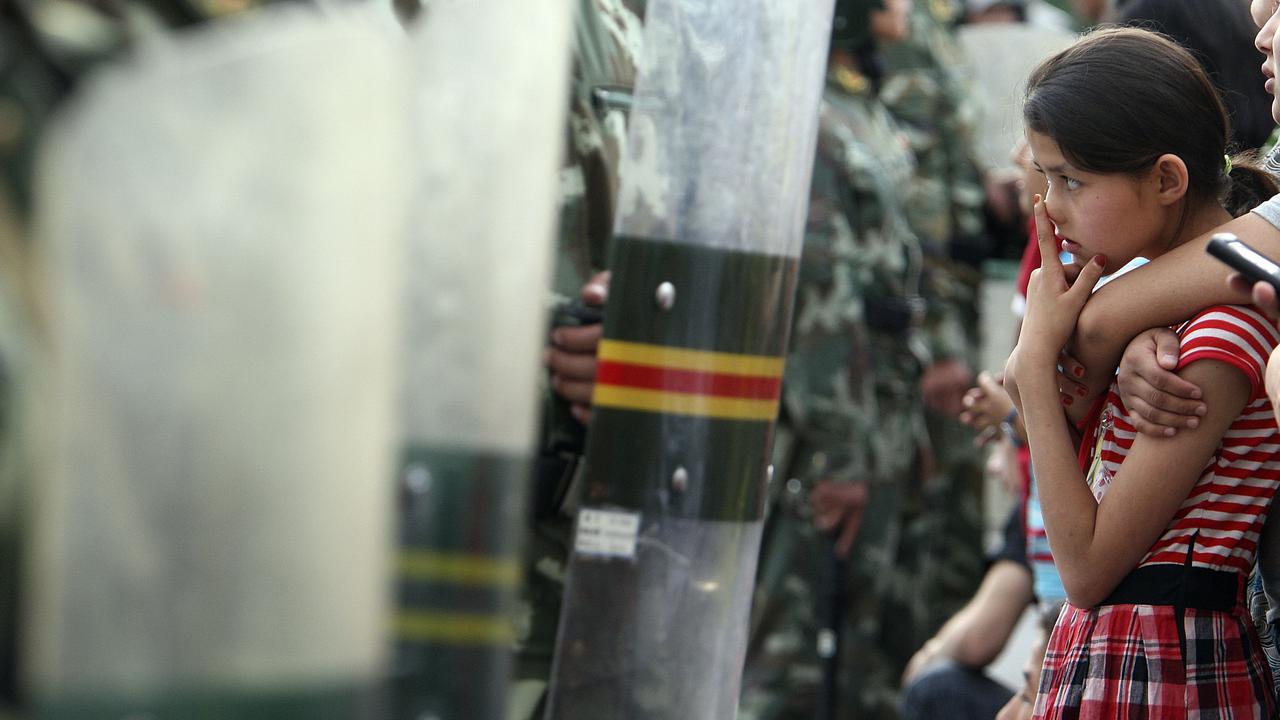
{"x": 1228, "y": 505}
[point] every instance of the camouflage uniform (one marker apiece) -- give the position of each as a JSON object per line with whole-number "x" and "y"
{"x": 608, "y": 36}
{"x": 942, "y": 553}
{"x": 852, "y": 413}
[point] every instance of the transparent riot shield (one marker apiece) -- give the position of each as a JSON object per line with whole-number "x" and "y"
{"x": 219, "y": 220}
{"x": 713, "y": 200}
{"x": 491, "y": 103}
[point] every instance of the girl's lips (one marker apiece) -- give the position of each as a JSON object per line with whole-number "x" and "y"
{"x": 1270, "y": 86}
{"x": 1068, "y": 245}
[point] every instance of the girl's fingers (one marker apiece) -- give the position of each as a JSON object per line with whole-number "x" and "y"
{"x": 1046, "y": 238}
{"x": 1089, "y": 276}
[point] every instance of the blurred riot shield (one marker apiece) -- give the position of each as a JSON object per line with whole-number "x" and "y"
{"x": 219, "y": 219}
{"x": 713, "y": 201}
{"x": 490, "y": 105}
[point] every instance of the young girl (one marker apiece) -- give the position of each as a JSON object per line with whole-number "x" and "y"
{"x": 1154, "y": 540}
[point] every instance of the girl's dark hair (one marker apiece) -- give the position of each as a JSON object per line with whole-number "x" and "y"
{"x": 1119, "y": 98}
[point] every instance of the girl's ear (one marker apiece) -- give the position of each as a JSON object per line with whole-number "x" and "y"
{"x": 1170, "y": 175}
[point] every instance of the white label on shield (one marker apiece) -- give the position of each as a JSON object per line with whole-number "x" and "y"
{"x": 607, "y": 533}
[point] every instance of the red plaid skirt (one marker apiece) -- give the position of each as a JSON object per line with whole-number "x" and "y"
{"x": 1121, "y": 662}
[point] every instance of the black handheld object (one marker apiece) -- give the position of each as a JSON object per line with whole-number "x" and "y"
{"x": 577, "y": 312}
{"x": 1245, "y": 260}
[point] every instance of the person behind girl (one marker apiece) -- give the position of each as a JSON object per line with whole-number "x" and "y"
{"x": 1154, "y": 540}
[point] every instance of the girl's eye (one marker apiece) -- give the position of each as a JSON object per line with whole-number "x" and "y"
{"x": 1071, "y": 183}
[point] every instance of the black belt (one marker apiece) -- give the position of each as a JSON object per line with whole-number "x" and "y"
{"x": 1179, "y": 586}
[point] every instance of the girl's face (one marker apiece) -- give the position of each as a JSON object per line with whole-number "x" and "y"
{"x": 1268, "y": 20}
{"x": 1111, "y": 214}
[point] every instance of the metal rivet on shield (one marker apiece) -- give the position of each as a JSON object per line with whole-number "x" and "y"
{"x": 665, "y": 296}
{"x": 417, "y": 478}
{"x": 680, "y": 480}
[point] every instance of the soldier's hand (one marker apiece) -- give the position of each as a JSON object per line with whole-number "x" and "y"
{"x": 944, "y": 384}
{"x": 1159, "y": 401}
{"x": 572, "y": 354}
{"x": 838, "y": 507}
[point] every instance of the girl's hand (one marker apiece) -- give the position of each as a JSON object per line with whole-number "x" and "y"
{"x": 1160, "y": 401}
{"x": 1053, "y": 301}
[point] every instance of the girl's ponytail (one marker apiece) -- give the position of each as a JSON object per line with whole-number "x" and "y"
{"x": 1247, "y": 184}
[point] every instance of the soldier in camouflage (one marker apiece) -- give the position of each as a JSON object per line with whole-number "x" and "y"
{"x": 608, "y": 37}
{"x": 942, "y": 537}
{"x": 852, "y": 426}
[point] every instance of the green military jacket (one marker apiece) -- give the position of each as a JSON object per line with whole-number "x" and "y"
{"x": 845, "y": 367}
{"x": 925, "y": 89}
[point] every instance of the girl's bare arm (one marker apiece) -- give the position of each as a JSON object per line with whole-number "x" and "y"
{"x": 1170, "y": 288}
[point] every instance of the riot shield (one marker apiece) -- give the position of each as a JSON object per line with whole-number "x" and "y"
{"x": 219, "y": 219}
{"x": 491, "y": 113}
{"x": 713, "y": 200}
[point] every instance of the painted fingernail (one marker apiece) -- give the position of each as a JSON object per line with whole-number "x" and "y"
{"x": 1100, "y": 260}
{"x": 1080, "y": 391}
{"x": 1077, "y": 371}
{"x": 1067, "y": 400}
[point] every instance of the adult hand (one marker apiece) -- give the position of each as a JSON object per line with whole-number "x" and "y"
{"x": 572, "y": 354}
{"x": 1272, "y": 378}
{"x": 1263, "y": 294}
{"x": 838, "y": 507}
{"x": 1070, "y": 371}
{"x": 1159, "y": 401}
{"x": 943, "y": 386}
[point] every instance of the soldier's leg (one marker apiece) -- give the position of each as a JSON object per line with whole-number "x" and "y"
{"x": 783, "y": 674}
{"x": 869, "y": 674}
{"x": 951, "y": 522}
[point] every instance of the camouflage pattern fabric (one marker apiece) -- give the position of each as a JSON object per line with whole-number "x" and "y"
{"x": 924, "y": 90}
{"x": 608, "y": 36}
{"x": 852, "y": 413}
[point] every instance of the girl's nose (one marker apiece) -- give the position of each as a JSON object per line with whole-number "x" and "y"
{"x": 1262, "y": 41}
